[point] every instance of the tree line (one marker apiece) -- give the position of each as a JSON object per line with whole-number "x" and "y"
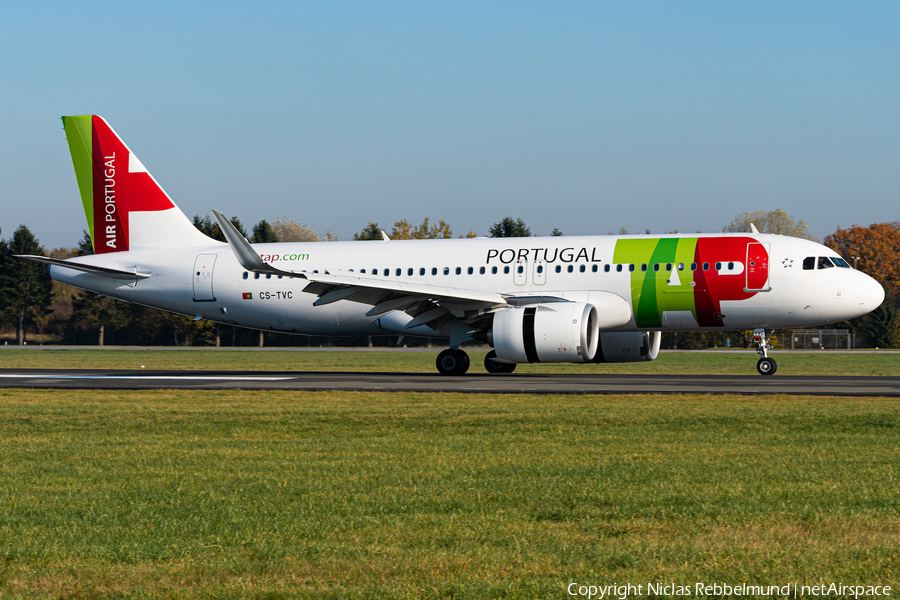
{"x": 33, "y": 305}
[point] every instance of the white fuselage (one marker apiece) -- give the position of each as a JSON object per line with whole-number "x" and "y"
{"x": 208, "y": 282}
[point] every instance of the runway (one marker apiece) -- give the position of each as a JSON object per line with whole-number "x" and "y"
{"x": 433, "y": 382}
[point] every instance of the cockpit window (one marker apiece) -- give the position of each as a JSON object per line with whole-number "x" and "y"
{"x": 809, "y": 263}
{"x": 825, "y": 262}
{"x": 840, "y": 262}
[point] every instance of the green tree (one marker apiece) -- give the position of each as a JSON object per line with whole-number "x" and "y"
{"x": 263, "y": 233}
{"x": 101, "y": 311}
{"x": 509, "y": 227}
{"x": 371, "y": 232}
{"x": 85, "y": 247}
{"x": 556, "y": 232}
{"x": 404, "y": 230}
{"x": 882, "y": 324}
{"x": 26, "y": 286}
{"x": 288, "y": 231}
{"x": 210, "y": 227}
{"x": 773, "y": 221}
{"x": 5, "y": 259}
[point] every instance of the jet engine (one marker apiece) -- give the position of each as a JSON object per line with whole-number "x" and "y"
{"x": 628, "y": 347}
{"x": 553, "y": 332}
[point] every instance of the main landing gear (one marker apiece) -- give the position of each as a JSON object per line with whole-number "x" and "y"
{"x": 452, "y": 362}
{"x": 765, "y": 365}
{"x": 492, "y": 365}
{"x": 456, "y": 362}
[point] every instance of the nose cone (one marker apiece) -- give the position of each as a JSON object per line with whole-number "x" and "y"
{"x": 871, "y": 294}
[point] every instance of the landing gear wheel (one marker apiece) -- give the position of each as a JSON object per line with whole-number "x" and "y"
{"x": 494, "y": 366}
{"x": 452, "y": 362}
{"x": 766, "y": 366}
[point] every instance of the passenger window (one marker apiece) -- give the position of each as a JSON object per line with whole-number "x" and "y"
{"x": 458, "y": 270}
{"x": 387, "y": 272}
{"x": 281, "y": 277}
{"x": 481, "y": 270}
{"x": 245, "y": 274}
{"x": 256, "y": 276}
{"x": 268, "y": 276}
{"x": 618, "y": 268}
{"x": 718, "y": 266}
{"x": 606, "y": 268}
{"x": 631, "y": 267}
{"x": 582, "y": 269}
{"x": 594, "y": 268}
{"x": 493, "y": 270}
{"x": 570, "y": 269}
{"x": 506, "y": 270}
{"x": 668, "y": 266}
{"x": 656, "y": 266}
{"x": 375, "y": 272}
{"x": 422, "y": 271}
{"x": 446, "y": 270}
{"x": 644, "y": 267}
{"x": 693, "y": 266}
{"x": 825, "y": 262}
{"x": 706, "y": 266}
{"x": 559, "y": 268}
{"x": 409, "y": 271}
{"x": 809, "y": 263}
{"x": 540, "y": 269}
{"x": 681, "y": 266}
{"x": 520, "y": 269}
{"x": 471, "y": 270}
{"x": 397, "y": 272}
{"x": 434, "y": 270}
{"x": 731, "y": 266}
{"x": 362, "y": 270}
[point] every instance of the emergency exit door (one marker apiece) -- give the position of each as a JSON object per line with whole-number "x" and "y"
{"x": 203, "y": 278}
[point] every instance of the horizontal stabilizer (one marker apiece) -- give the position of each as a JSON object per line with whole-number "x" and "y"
{"x": 105, "y": 271}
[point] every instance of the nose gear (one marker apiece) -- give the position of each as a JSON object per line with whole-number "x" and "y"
{"x": 765, "y": 365}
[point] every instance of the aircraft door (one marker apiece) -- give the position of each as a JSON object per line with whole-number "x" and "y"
{"x": 203, "y": 278}
{"x": 539, "y": 277}
{"x": 757, "y": 271}
{"x": 520, "y": 272}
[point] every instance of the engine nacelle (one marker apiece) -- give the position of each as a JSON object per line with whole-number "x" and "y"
{"x": 628, "y": 347}
{"x": 555, "y": 332}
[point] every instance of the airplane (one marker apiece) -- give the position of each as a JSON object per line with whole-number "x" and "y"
{"x": 585, "y": 299}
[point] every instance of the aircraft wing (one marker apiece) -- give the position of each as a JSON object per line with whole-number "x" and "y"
{"x": 428, "y": 304}
{"x": 325, "y": 284}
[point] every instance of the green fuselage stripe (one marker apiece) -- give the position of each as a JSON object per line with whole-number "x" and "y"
{"x": 655, "y": 291}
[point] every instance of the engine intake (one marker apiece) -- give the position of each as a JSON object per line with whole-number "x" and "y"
{"x": 557, "y": 332}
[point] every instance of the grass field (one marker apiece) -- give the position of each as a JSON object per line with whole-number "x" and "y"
{"x": 347, "y": 495}
{"x": 731, "y": 363}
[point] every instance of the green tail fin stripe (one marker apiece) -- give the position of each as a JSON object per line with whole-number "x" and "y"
{"x": 79, "y": 135}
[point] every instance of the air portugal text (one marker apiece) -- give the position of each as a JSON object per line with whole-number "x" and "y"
{"x": 548, "y": 255}
{"x": 109, "y": 193}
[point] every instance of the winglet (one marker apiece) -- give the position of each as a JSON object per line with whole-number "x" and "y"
{"x": 385, "y": 236}
{"x": 245, "y": 254}
{"x": 753, "y": 228}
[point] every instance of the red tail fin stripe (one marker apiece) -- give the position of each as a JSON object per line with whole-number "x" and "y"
{"x": 119, "y": 191}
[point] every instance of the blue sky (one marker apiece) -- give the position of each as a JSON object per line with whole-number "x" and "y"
{"x": 586, "y": 116}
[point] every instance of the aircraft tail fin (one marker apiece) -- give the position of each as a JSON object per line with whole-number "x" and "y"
{"x": 126, "y": 209}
